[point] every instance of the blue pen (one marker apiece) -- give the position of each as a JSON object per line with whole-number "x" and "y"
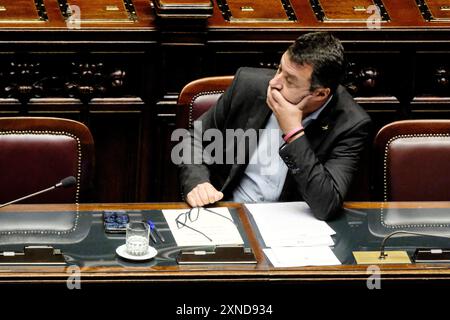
{"x": 151, "y": 232}
{"x": 153, "y": 227}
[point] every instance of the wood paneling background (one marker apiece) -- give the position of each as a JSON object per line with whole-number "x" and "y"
{"x": 118, "y": 66}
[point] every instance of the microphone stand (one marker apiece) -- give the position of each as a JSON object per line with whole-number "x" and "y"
{"x": 66, "y": 182}
{"x": 28, "y": 196}
{"x": 383, "y": 255}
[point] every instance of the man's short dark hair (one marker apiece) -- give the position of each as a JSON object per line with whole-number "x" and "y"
{"x": 325, "y": 54}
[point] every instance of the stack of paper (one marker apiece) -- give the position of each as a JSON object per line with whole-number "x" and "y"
{"x": 293, "y": 235}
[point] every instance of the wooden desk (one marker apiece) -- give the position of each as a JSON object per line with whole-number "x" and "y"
{"x": 108, "y": 268}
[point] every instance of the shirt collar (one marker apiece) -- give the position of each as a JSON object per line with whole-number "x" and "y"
{"x": 315, "y": 114}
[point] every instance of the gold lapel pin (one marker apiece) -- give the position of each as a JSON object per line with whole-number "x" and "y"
{"x": 325, "y": 127}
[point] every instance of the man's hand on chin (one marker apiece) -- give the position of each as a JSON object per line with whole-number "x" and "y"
{"x": 289, "y": 115}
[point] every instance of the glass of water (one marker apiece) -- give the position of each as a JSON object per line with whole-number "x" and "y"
{"x": 137, "y": 238}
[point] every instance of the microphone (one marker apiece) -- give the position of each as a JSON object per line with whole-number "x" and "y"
{"x": 383, "y": 257}
{"x": 65, "y": 183}
{"x": 383, "y": 254}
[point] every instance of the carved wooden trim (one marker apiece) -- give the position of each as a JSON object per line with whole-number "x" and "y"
{"x": 228, "y": 16}
{"x": 321, "y": 15}
{"x": 427, "y": 14}
{"x": 196, "y": 9}
{"x": 25, "y": 80}
{"x": 11, "y": 18}
{"x": 40, "y": 7}
{"x": 128, "y": 4}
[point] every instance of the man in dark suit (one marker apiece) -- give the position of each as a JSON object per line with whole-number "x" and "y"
{"x": 320, "y": 131}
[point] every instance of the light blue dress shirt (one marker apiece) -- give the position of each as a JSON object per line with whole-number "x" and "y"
{"x": 264, "y": 177}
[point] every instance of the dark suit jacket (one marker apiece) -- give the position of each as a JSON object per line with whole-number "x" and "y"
{"x": 321, "y": 163}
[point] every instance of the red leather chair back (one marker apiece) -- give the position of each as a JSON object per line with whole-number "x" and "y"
{"x": 36, "y": 153}
{"x": 415, "y": 159}
{"x": 198, "y": 96}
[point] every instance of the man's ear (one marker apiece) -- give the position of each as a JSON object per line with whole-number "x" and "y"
{"x": 322, "y": 93}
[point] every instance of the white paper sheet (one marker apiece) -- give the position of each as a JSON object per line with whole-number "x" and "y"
{"x": 283, "y": 257}
{"x": 288, "y": 240}
{"x": 219, "y": 229}
{"x": 290, "y": 224}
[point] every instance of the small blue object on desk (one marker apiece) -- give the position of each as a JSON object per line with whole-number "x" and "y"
{"x": 152, "y": 236}
{"x": 153, "y": 227}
